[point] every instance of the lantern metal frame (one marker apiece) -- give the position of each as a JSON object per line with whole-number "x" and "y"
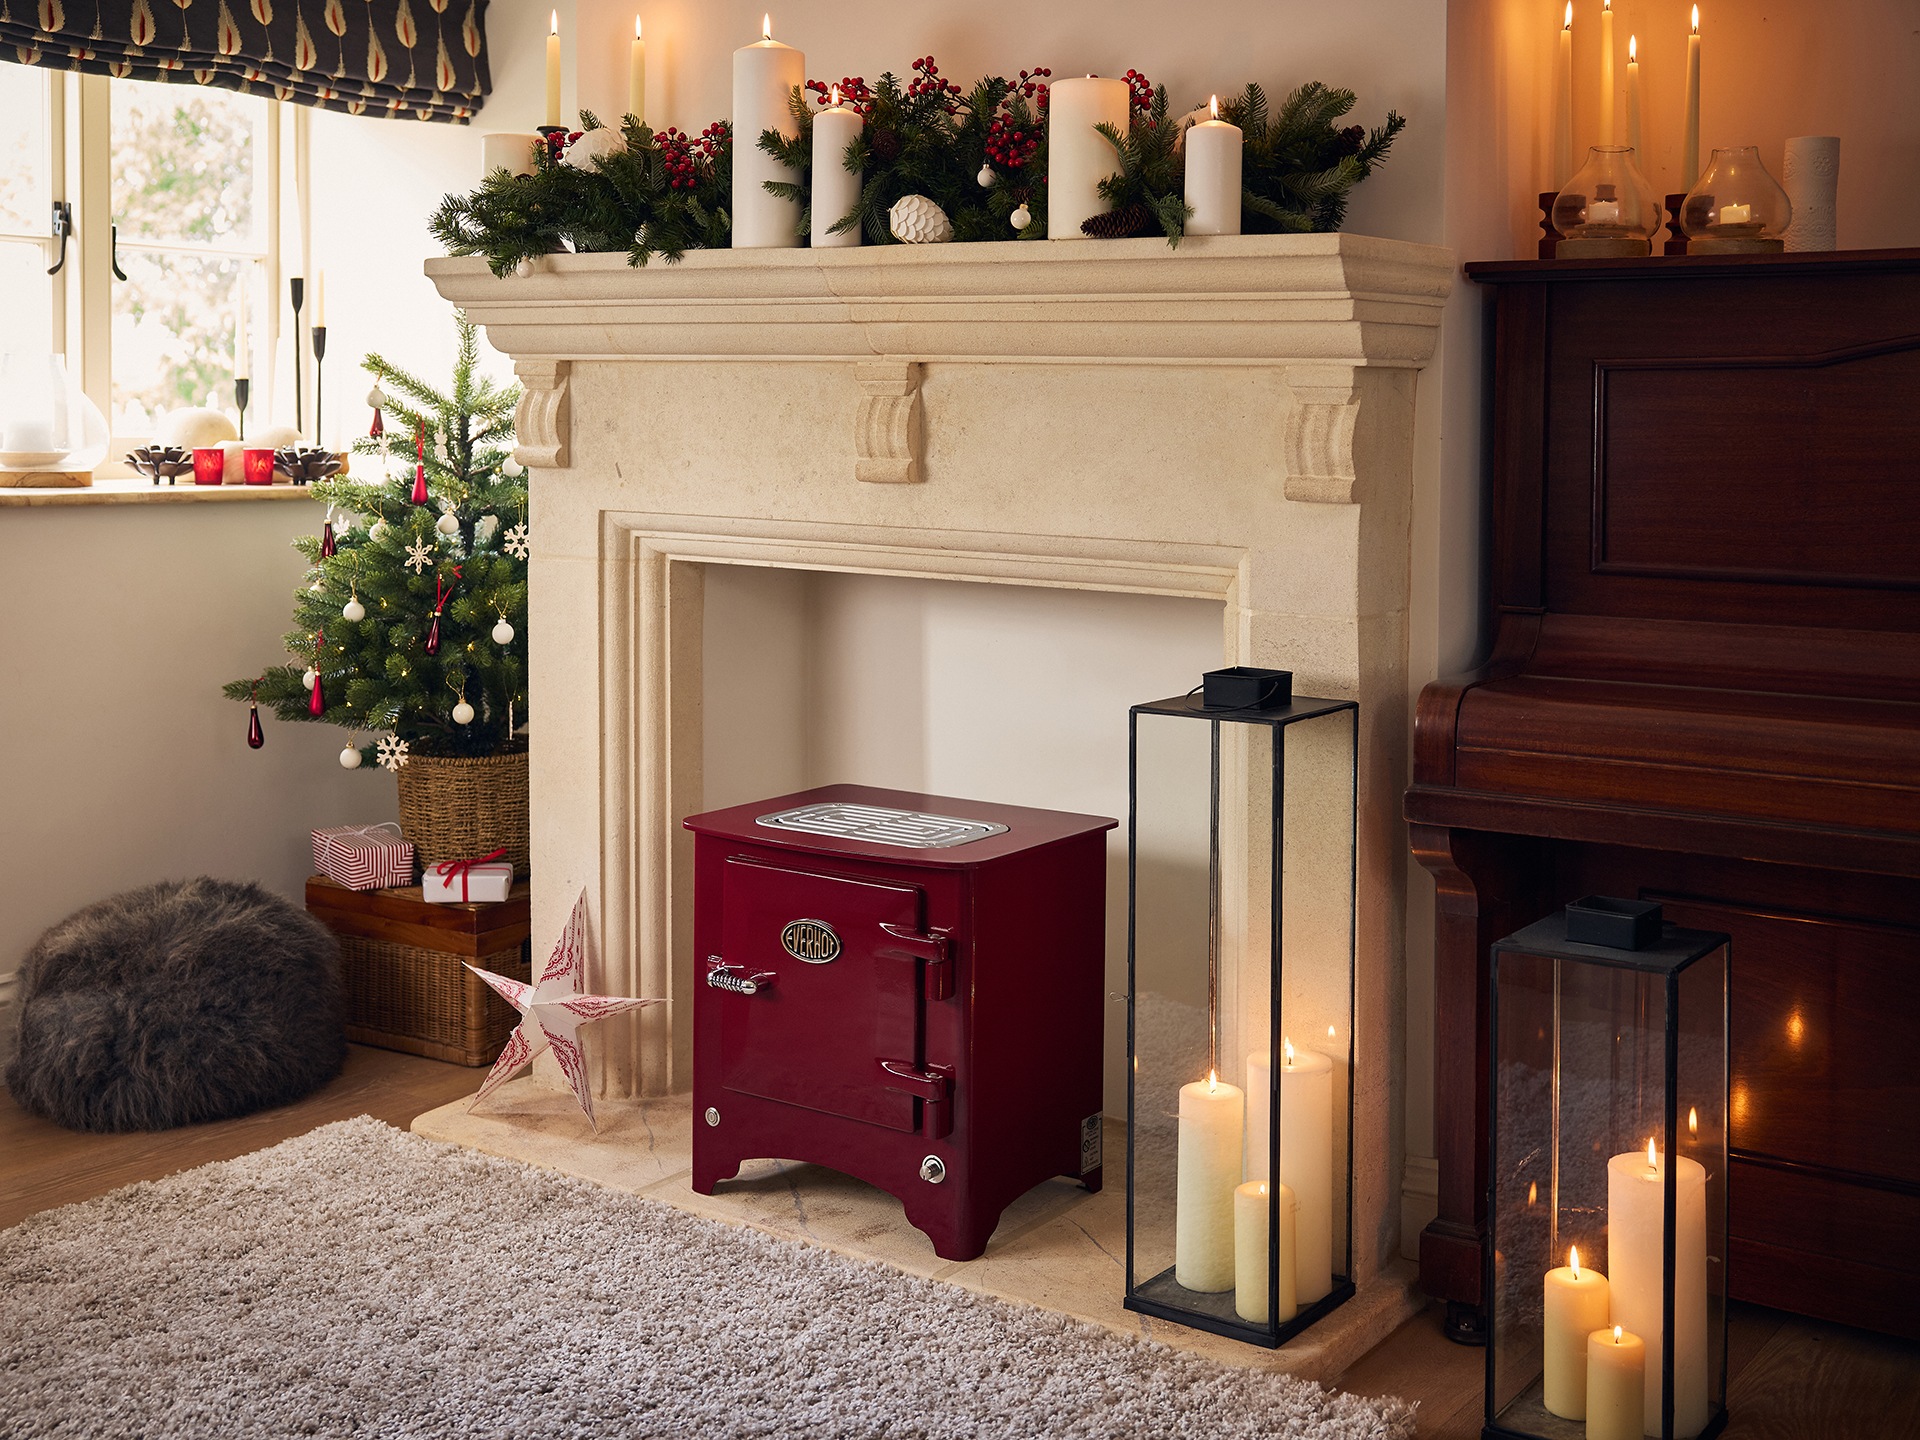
{"x": 1160, "y": 1295}
{"x": 1589, "y": 932}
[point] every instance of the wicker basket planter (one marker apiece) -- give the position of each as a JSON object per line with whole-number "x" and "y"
{"x": 455, "y": 809}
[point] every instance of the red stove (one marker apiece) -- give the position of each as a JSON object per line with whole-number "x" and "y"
{"x": 906, "y": 988}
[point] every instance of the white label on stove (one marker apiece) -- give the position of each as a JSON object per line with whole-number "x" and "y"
{"x": 810, "y": 940}
{"x": 1090, "y": 1151}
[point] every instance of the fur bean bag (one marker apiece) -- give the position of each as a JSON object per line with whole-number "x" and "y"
{"x": 184, "y": 1001}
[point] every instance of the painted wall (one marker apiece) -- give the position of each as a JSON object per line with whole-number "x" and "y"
{"x": 124, "y": 763}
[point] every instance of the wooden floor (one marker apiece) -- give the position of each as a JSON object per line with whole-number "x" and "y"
{"x": 1790, "y": 1379}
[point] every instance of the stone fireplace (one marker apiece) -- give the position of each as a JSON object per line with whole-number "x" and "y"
{"x": 1231, "y": 422}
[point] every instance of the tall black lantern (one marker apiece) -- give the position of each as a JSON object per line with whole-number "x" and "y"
{"x": 1240, "y": 960}
{"x": 1606, "y": 1274}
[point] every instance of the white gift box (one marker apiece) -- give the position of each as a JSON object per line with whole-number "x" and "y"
{"x": 456, "y": 883}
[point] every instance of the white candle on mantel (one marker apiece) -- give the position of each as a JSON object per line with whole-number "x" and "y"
{"x": 765, "y": 75}
{"x": 1636, "y": 1207}
{"x": 553, "y": 69}
{"x": 1213, "y": 176}
{"x": 511, "y": 151}
{"x": 1079, "y": 157}
{"x": 1563, "y": 106}
{"x": 836, "y": 189}
{"x": 637, "y": 75}
{"x": 1250, "y": 1216}
{"x": 1608, "y": 135}
{"x": 1576, "y": 1306}
{"x": 1211, "y": 1114}
{"x": 1690, "y": 127}
{"x": 1634, "y": 141}
{"x": 1306, "y": 1164}
{"x": 1616, "y": 1378}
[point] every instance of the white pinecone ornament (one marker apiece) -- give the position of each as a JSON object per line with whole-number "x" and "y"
{"x": 591, "y": 146}
{"x": 916, "y": 220}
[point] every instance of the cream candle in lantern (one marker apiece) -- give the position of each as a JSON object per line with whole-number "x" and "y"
{"x": 836, "y": 189}
{"x": 1213, "y": 176}
{"x": 1634, "y": 141}
{"x": 1250, "y": 1253}
{"x": 1576, "y": 1306}
{"x": 1608, "y": 135}
{"x": 1306, "y": 1164}
{"x": 1690, "y": 125}
{"x": 1636, "y": 1207}
{"x": 765, "y": 75}
{"x": 1079, "y": 157}
{"x": 1211, "y": 1114}
{"x": 1616, "y": 1379}
{"x": 1563, "y": 106}
{"x": 637, "y": 74}
{"x": 553, "y": 69}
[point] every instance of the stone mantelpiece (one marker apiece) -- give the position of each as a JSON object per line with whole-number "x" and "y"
{"x": 1232, "y": 421}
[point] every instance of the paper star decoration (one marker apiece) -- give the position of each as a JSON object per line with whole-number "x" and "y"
{"x": 552, "y": 1010}
{"x": 419, "y": 556}
{"x": 516, "y": 542}
{"x": 391, "y": 753}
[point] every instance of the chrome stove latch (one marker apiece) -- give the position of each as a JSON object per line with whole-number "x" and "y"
{"x": 722, "y": 976}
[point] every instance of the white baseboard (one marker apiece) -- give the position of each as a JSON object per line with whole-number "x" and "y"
{"x": 1419, "y": 1201}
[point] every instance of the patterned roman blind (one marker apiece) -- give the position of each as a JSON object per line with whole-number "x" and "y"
{"x": 416, "y": 59}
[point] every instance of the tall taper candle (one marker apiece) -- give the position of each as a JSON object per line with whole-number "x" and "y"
{"x": 836, "y": 189}
{"x": 1563, "y": 107}
{"x": 1213, "y": 176}
{"x": 242, "y": 346}
{"x": 637, "y": 74}
{"x": 1636, "y": 1206}
{"x": 1634, "y": 140}
{"x": 1207, "y": 1174}
{"x": 765, "y": 75}
{"x": 1608, "y": 135}
{"x": 1690, "y": 134}
{"x": 1306, "y": 1164}
{"x": 553, "y": 69}
{"x": 1078, "y": 156}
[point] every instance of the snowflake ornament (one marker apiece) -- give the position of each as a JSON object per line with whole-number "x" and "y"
{"x": 516, "y": 542}
{"x": 419, "y": 557}
{"x": 391, "y": 753}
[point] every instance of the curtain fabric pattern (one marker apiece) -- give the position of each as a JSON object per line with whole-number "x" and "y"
{"x": 412, "y": 59}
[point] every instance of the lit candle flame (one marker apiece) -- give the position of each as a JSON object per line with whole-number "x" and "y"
{"x": 1633, "y": 49}
{"x": 1606, "y": 4}
{"x": 1569, "y": 20}
{"x": 836, "y": 97}
{"x": 1693, "y": 1121}
{"x": 1286, "y": 1048}
{"x": 1215, "y": 104}
{"x": 1213, "y": 1081}
{"x": 1330, "y": 1032}
{"x": 1533, "y": 1193}
{"x": 1616, "y": 1334}
{"x": 1573, "y": 1260}
{"x": 1696, "y": 18}
{"x": 766, "y": 27}
{"x": 1653, "y": 1155}
{"x": 553, "y": 23}
{"x": 636, "y": 27}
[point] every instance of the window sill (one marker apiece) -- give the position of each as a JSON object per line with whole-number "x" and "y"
{"x": 143, "y": 492}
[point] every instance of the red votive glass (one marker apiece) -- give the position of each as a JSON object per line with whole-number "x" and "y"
{"x": 257, "y": 466}
{"x": 209, "y": 466}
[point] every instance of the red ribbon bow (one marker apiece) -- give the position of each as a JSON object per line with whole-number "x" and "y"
{"x": 447, "y": 869}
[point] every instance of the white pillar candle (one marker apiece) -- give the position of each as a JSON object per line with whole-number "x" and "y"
{"x": 1576, "y": 1306}
{"x": 511, "y": 151}
{"x": 1306, "y": 1164}
{"x": 637, "y": 74}
{"x": 1634, "y": 140}
{"x": 32, "y": 436}
{"x": 836, "y": 189}
{"x": 1636, "y": 1204}
{"x": 1563, "y": 106}
{"x": 765, "y": 75}
{"x": 1250, "y": 1253}
{"x": 1616, "y": 1363}
{"x": 1211, "y": 1114}
{"x": 1213, "y": 176}
{"x": 1259, "y": 1114}
{"x": 1690, "y": 126}
{"x": 553, "y": 69}
{"x": 1079, "y": 157}
{"x": 1810, "y": 175}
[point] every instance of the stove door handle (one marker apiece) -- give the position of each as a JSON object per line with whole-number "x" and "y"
{"x": 722, "y": 976}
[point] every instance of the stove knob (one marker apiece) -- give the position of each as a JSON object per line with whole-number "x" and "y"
{"x": 713, "y": 1116}
{"x": 933, "y": 1170}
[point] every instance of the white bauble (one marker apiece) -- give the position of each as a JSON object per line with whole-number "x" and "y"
{"x": 463, "y": 712}
{"x": 918, "y": 221}
{"x": 503, "y": 632}
{"x": 353, "y": 610}
{"x": 985, "y": 177}
{"x": 307, "y": 677}
{"x": 1021, "y": 218}
{"x": 376, "y": 530}
{"x": 524, "y": 269}
{"x": 593, "y": 145}
{"x": 485, "y": 528}
{"x": 512, "y": 468}
{"x": 448, "y": 524}
{"x": 351, "y": 759}
{"x": 194, "y": 428}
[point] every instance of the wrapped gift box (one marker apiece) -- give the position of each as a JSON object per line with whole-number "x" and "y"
{"x": 364, "y": 857}
{"x": 460, "y": 882}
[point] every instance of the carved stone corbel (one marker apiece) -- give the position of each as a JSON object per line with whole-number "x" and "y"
{"x": 886, "y": 432}
{"x": 542, "y": 420}
{"x": 1317, "y": 436}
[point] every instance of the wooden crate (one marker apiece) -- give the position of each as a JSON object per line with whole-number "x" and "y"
{"x": 401, "y": 966}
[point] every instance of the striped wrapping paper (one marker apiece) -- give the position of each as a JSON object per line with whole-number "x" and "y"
{"x": 364, "y": 857}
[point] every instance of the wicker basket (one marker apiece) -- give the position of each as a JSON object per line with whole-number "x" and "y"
{"x": 455, "y": 809}
{"x": 426, "y": 1002}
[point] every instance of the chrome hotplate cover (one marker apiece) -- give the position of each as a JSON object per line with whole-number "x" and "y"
{"x": 909, "y": 829}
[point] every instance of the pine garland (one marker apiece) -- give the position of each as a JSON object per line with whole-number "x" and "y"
{"x": 1297, "y": 170}
{"x": 1150, "y": 187}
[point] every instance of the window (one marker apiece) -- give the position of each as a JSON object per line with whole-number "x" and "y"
{"x": 26, "y": 203}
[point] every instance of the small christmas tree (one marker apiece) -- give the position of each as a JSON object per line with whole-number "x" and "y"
{"x": 413, "y": 620}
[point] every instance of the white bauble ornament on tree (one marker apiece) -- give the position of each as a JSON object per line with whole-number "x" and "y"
{"x": 353, "y": 609}
{"x": 376, "y": 530}
{"x": 503, "y": 632}
{"x": 463, "y": 712}
{"x": 916, "y": 220}
{"x": 448, "y": 524}
{"x": 351, "y": 758}
{"x": 309, "y": 676}
{"x": 986, "y": 177}
{"x": 1021, "y": 217}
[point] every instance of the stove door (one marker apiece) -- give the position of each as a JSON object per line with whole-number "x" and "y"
{"x": 831, "y": 992}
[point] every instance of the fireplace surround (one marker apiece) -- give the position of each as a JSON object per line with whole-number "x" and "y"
{"x": 1232, "y": 421}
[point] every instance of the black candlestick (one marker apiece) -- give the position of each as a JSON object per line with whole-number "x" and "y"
{"x": 242, "y": 387}
{"x": 319, "y": 333}
{"x": 298, "y": 286}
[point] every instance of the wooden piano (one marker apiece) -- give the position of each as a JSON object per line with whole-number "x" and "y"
{"x": 1704, "y": 689}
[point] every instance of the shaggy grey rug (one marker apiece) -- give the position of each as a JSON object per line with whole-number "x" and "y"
{"x": 362, "y": 1281}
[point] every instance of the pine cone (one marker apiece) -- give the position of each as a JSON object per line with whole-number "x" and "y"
{"x": 884, "y": 146}
{"x": 1129, "y": 219}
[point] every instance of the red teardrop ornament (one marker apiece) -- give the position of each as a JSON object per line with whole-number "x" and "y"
{"x": 316, "y": 702}
{"x": 379, "y": 426}
{"x": 419, "y": 484}
{"x": 255, "y": 739}
{"x": 326, "y": 537}
{"x": 433, "y": 637}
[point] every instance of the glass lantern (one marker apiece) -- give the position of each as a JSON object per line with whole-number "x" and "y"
{"x": 48, "y": 426}
{"x": 1737, "y": 208}
{"x": 1607, "y": 1209}
{"x": 1607, "y": 209}
{"x": 1240, "y": 950}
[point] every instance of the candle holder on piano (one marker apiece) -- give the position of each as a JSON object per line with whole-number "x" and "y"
{"x": 1607, "y": 210}
{"x": 1606, "y": 1251}
{"x": 1240, "y": 963}
{"x": 1737, "y": 208}
{"x": 297, "y": 289}
{"x": 319, "y": 333}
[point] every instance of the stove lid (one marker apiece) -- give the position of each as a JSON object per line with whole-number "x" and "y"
{"x": 881, "y": 825}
